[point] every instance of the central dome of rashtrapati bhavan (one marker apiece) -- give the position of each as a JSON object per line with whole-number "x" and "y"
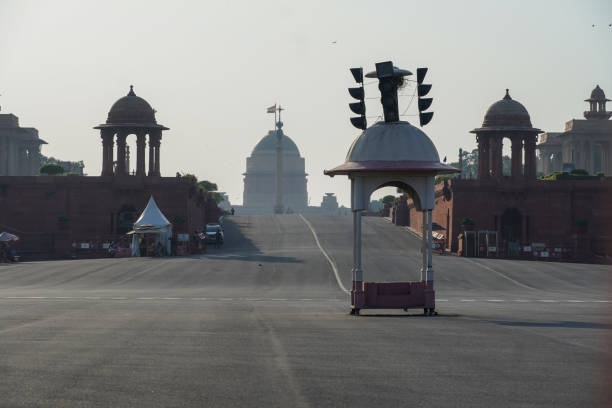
{"x": 260, "y": 177}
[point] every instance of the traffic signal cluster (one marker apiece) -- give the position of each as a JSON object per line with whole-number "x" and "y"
{"x": 424, "y": 103}
{"x": 358, "y": 93}
{"x": 390, "y": 79}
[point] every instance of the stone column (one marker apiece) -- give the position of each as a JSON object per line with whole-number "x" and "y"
{"x": 496, "y": 156}
{"x": 107, "y": 151}
{"x": 121, "y": 170}
{"x": 154, "y": 142}
{"x": 483, "y": 157}
{"x": 151, "y": 154}
{"x": 608, "y": 160}
{"x": 530, "y": 157}
{"x": 517, "y": 157}
{"x": 157, "y": 171}
{"x": 140, "y": 153}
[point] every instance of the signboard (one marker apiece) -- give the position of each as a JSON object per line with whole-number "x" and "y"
{"x": 492, "y": 249}
{"x": 544, "y": 254}
{"x": 84, "y": 245}
{"x": 527, "y": 249}
{"x": 182, "y": 237}
{"x": 105, "y": 245}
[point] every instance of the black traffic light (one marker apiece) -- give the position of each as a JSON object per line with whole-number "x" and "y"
{"x": 387, "y": 83}
{"x": 359, "y": 94}
{"x": 424, "y": 103}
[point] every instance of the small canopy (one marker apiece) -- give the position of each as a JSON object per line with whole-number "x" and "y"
{"x": 6, "y": 237}
{"x": 151, "y": 218}
{"x": 152, "y": 221}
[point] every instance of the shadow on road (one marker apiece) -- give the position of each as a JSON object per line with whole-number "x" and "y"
{"x": 254, "y": 258}
{"x": 406, "y": 315}
{"x": 562, "y": 324}
{"x": 235, "y": 240}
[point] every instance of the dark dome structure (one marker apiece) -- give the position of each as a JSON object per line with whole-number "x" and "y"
{"x": 507, "y": 113}
{"x": 131, "y": 109}
{"x": 268, "y": 144}
{"x": 597, "y": 95}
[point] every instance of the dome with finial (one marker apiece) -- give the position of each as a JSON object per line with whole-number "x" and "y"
{"x": 507, "y": 113}
{"x": 597, "y": 95}
{"x": 131, "y": 109}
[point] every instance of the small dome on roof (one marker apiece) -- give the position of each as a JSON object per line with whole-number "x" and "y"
{"x": 598, "y": 94}
{"x": 394, "y": 141}
{"x": 507, "y": 112}
{"x": 131, "y": 109}
{"x": 268, "y": 144}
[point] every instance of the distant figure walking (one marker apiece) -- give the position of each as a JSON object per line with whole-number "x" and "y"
{"x": 217, "y": 239}
{"x": 232, "y": 211}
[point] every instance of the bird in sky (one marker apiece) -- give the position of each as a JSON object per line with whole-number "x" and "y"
{"x": 334, "y": 42}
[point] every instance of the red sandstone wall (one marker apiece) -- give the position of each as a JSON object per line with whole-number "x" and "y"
{"x": 442, "y": 214}
{"x": 552, "y": 208}
{"x": 31, "y": 206}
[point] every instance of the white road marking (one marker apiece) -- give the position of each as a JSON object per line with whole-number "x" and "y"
{"x": 500, "y": 274}
{"x": 333, "y": 265}
{"x": 228, "y": 299}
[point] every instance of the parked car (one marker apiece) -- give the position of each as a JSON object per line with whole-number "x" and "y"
{"x": 211, "y": 233}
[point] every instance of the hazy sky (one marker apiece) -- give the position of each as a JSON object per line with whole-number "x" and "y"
{"x": 210, "y": 68}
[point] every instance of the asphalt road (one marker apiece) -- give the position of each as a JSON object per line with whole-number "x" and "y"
{"x": 263, "y": 321}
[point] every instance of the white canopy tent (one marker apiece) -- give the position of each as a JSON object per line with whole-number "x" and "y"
{"x": 152, "y": 221}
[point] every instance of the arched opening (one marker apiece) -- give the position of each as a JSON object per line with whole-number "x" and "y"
{"x": 404, "y": 244}
{"x": 511, "y": 229}
{"x": 506, "y": 156}
{"x": 126, "y": 217}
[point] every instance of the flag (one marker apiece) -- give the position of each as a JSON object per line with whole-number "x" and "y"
{"x": 271, "y": 109}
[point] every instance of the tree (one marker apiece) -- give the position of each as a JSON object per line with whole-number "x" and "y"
{"x": 51, "y": 169}
{"x": 388, "y": 199}
{"x": 208, "y": 186}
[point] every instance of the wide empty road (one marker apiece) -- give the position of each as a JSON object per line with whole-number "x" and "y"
{"x": 264, "y": 322}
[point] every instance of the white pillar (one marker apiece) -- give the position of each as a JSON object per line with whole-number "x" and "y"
{"x": 424, "y": 248}
{"x": 358, "y": 270}
{"x": 430, "y": 274}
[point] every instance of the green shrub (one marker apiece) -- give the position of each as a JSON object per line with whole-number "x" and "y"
{"x": 51, "y": 169}
{"x": 177, "y": 219}
{"x": 467, "y": 221}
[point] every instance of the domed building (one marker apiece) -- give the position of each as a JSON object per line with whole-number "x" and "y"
{"x": 81, "y": 216}
{"x": 260, "y": 176}
{"x": 585, "y": 144}
{"x": 506, "y": 119}
{"x": 129, "y": 115}
{"x": 519, "y": 215}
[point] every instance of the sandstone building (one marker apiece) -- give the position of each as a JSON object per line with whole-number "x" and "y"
{"x": 584, "y": 144}
{"x": 19, "y": 148}
{"x": 517, "y": 215}
{"x": 53, "y": 213}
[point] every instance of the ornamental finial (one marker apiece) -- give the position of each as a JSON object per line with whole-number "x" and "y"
{"x": 507, "y": 94}
{"x": 131, "y": 93}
